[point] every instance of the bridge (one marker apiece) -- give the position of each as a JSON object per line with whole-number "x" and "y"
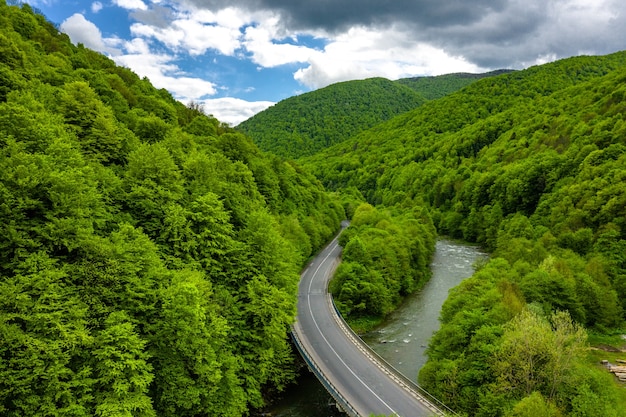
{"x": 360, "y": 381}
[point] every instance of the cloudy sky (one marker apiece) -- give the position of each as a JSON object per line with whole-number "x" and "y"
{"x": 240, "y": 56}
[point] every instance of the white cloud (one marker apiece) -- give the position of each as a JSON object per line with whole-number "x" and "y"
{"x": 358, "y": 53}
{"x": 229, "y": 17}
{"x": 196, "y": 31}
{"x": 96, "y": 6}
{"x": 233, "y": 110}
{"x": 259, "y": 41}
{"x": 162, "y": 72}
{"x": 81, "y": 30}
{"x": 131, "y": 4}
{"x": 191, "y": 36}
{"x": 362, "y": 53}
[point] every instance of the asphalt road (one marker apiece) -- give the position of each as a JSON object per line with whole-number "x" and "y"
{"x": 364, "y": 382}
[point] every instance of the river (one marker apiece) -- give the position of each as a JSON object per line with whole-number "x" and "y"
{"x": 403, "y": 337}
{"x": 401, "y": 340}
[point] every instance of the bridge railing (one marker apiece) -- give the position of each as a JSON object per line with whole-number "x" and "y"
{"x": 340, "y": 399}
{"x": 436, "y": 406}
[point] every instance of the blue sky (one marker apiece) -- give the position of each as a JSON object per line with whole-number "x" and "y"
{"x": 238, "y": 57}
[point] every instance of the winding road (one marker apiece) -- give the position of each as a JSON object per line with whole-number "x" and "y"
{"x": 362, "y": 380}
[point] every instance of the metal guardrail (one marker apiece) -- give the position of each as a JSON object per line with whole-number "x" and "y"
{"x": 429, "y": 400}
{"x": 340, "y": 399}
{"x": 432, "y": 403}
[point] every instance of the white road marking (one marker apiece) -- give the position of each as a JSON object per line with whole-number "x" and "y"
{"x": 334, "y": 243}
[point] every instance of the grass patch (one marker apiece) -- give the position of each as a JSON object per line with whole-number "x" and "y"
{"x": 609, "y": 347}
{"x": 614, "y": 341}
{"x": 361, "y": 325}
{"x": 596, "y": 356}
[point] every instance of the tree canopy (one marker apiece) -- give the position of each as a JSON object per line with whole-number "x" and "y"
{"x": 149, "y": 254}
{"x": 305, "y": 124}
{"x": 530, "y": 165}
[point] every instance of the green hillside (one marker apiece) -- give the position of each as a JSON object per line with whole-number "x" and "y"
{"x": 532, "y": 165}
{"x": 149, "y": 255}
{"x": 305, "y": 124}
{"x": 439, "y": 86}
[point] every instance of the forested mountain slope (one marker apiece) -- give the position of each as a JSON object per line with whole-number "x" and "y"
{"x": 149, "y": 255}
{"x": 302, "y": 125}
{"x": 439, "y": 86}
{"x": 532, "y": 165}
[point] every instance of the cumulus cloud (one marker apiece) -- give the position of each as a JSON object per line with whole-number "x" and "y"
{"x": 131, "y": 4}
{"x": 162, "y": 71}
{"x": 96, "y": 6}
{"x": 192, "y": 36}
{"x": 233, "y": 110}
{"x": 263, "y": 37}
{"x": 363, "y": 53}
{"x": 487, "y": 33}
{"x": 81, "y": 30}
{"x": 261, "y": 42}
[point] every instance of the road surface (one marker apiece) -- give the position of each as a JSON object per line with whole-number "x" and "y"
{"x": 364, "y": 382}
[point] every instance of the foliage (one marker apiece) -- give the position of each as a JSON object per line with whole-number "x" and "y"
{"x": 439, "y": 86}
{"x": 386, "y": 257}
{"x": 149, "y": 255}
{"x": 306, "y": 124}
{"x": 496, "y": 355}
{"x": 303, "y": 125}
{"x": 530, "y": 165}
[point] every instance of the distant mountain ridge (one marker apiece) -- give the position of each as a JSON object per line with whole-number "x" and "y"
{"x": 439, "y": 86}
{"x": 305, "y": 124}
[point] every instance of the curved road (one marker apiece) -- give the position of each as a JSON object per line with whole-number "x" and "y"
{"x": 362, "y": 380}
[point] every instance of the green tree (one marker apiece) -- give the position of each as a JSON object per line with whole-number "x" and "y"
{"x": 538, "y": 355}
{"x": 534, "y": 405}
{"x": 92, "y": 122}
{"x": 122, "y": 371}
{"x": 45, "y": 334}
{"x": 194, "y": 372}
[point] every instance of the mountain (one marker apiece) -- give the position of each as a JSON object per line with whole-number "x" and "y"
{"x": 532, "y": 166}
{"x": 304, "y": 124}
{"x": 439, "y": 86}
{"x": 149, "y": 254}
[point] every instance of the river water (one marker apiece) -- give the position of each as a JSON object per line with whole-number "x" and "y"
{"x": 401, "y": 340}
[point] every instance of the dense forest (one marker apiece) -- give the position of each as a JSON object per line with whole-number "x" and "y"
{"x": 386, "y": 257}
{"x": 532, "y": 166}
{"x": 434, "y": 87}
{"x": 306, "y": 124}
{"x": 149, "y": 255}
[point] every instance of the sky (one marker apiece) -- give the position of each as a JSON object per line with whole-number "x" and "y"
{"x": 238, "y": 57}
